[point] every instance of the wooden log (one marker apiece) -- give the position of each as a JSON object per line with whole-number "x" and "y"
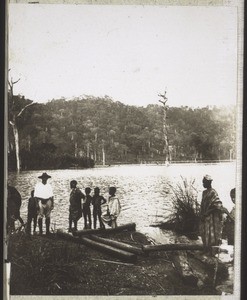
{"x": 115, "y": 252}
{"x": 183, "y": 267}
{"x": 67, "y": 236}
{"x": 129, "y": 227}
{"x": 171, "y": 247}
{"x": 118, "y": 253}
{"x": 117, "y": 244}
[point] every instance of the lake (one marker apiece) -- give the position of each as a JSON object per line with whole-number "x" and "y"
{"x": 144, "y": 190}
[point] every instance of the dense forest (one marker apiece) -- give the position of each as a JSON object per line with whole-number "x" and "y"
{"x": 87, "y": 130}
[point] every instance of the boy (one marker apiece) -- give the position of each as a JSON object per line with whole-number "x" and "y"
{"x": 75, "y": 209}
{"x": 32, "y": 213}
{"x": 113, "y": 210}
{"x": 86, "y": 209}
{"x": 97, "y": 201}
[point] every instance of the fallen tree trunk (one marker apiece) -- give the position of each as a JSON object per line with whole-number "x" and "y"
{"x": 117, "y": 244}
{"x": 129, "y": 227}
{"x": 183, "y": 267}
{"x": 115, "y": 252}
{"x": 118, "y": 253}
{"x": 171, "y": 247}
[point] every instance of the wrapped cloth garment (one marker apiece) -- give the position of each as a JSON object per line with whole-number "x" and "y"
{"x": 75, "y": 208}
{"x": 113, "y": 211}
{"x": 211, "y": 218}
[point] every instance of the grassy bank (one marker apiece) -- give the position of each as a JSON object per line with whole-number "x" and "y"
{"x": 50, "y": 266}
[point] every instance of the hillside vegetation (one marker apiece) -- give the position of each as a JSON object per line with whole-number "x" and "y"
{"x": 88, "y": 130}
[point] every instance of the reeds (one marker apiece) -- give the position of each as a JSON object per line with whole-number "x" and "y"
{"x": 185, "y": 207}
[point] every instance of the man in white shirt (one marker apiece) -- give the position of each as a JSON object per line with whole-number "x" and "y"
{"x": 44, "y": 194}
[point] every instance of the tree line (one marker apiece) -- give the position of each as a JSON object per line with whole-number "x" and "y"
{"x": 92, "y": 130}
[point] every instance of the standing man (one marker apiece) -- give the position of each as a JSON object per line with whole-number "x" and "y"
{"x": 44, "y": 194}
{"x": 210, "y": 215}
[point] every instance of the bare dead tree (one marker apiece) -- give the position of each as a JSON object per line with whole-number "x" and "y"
{"x": 13, "y": 121}
{"x": 165, "y": 131}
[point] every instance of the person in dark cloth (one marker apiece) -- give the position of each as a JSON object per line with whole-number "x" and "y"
{"x": 75, "y": 208}
{"x": 86, "y": 209}
{"x": 13, "y": 208}
{"x": 97, "y": 201}
{"x": 229, "y": 223}
{"x": 32, "y": 213}
{"x": 211, "y": 216}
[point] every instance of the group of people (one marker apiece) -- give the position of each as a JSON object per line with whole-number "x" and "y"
{"x": 80, "y": 204}
{"x": 41, "y": 203}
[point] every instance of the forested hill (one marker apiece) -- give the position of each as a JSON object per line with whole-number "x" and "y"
{"x": 93, "y": 129}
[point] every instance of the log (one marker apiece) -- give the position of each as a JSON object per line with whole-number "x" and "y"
{"x": 129, "y": 227}
{"x": 67, "y": 236}
{"x": 171, "y": 247}
{"x": 118, "y": 253}
{"x": 115, "y": 252}
{"x": 183, "y": 267}
{"x": 117, "y": 244}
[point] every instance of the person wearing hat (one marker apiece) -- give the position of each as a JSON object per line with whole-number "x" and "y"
{"x": 44, "y": 194}
{"x": 211, "y": 220}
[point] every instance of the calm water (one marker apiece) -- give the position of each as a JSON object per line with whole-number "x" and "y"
{"x": 143, "y": 190}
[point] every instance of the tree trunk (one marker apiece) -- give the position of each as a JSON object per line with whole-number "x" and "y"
{"x": 17, "y": 151}
{"x": 75, "y": 149}
{"x": 29, "y": 142}
{"x": 103, "y": 155}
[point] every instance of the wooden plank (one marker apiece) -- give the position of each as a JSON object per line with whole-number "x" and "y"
{"x": 172, "y": 247}
{"x": 129, "y": 227}
{"x": 117, "y": 244}
{"x": 115, "y": 252}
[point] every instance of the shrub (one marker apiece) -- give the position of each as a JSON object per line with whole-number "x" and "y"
{"x": 186, "y": 209}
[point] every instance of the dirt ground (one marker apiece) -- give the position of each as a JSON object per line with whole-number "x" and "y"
{"x": 51, "y": 266}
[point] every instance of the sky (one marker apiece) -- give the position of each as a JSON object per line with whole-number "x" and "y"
{"x": 129, "y": 53}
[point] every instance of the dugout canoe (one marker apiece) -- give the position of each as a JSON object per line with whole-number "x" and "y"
{"x": 110, "y": 250}
{"x": 117, "y": 244}
{"x": 128, "y": 227}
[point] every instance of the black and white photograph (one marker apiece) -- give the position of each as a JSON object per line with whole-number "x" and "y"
{"x": 123, "y": 149}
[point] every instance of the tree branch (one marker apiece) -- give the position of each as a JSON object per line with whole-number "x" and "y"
{"x": 14, "y": 82}
{"x": 163, "y": 102}
{"x": 19, "y": 114}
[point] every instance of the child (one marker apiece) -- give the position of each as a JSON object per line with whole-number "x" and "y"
{"x": 75, "y": 210}
{"x": 97, "y": 201}
{"x": 32, "y": 213}
{"x": 86, "y": 209}
{"x": 114, "y": 208}
{"x": 230, "y": 220}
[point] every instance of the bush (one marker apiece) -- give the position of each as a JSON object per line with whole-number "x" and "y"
{"x": 186, "y": 209}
